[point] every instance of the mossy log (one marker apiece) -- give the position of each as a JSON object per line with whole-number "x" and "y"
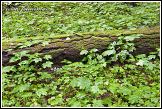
{"x": 69, "y": 46}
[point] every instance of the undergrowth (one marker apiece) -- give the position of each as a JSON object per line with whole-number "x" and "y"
{"x": 54, "y": 18}
{"x": 113, "y": 78}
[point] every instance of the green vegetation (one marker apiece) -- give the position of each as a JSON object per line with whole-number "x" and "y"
{"x": 112, "y": 78}
{"x": 69, "y": 18}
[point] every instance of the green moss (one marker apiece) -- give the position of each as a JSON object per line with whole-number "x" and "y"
{"x": 145, "y": 30}
{"x": 6, "y": 43}
{"x": 54, "y": 53}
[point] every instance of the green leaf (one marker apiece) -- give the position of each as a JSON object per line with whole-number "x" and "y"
{"x": 83, "y": 52}
{"x": 54, "y": 101}
{"x": 76, "y": 104}
{"x": 36, "y": 60}
{"x": 25, "y": 62}
{"x": 8, "y": 69}
{"x": 95, "y": 89}
{"x": 150, "y": 65}
{"x": 22, "y": 53}
{"x": 15, "y": 58}
{"x": 132, "y": 37}
{"x": 84, "y": 82}
{"x": 44, "y": 75}
{"x": 93, "y": 50}
{"x": 150, "y": 57}
{"x": 42, "y": 91}
{"x": 124, "y": 91}
{"x": 47, "y": 64}
{"x": 97, "y": 103}
{"x": 66, "y": 61}
{"x": 21, "y": 88}
{"x": 141, "y": 56}
{"x": 99, "y": 57}
{"x": 74, "y": 82}
{"x": 134, "y": 99}
{"x": 112, "y": 45}
{"x": 27, "y": 94}
{"x": 140, "y": 62}
{"x": 80, "y": 95}
{"x": 104, "y": 64}
{"x": 81, "y": 82}
{"x": 108, "y": 52}
{"x": 113, "y": 87}
{"x": 34, "y": 56}
{"x": 47, "y": 57}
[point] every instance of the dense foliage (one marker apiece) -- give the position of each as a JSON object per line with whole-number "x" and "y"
{"x": 112, "y": 78}
{"x": 61, "y": 18}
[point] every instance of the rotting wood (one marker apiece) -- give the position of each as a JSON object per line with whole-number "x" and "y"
{"x": 60, "y": 48}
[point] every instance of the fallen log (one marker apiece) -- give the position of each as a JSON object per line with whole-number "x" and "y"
{"x": 69, "y": 46}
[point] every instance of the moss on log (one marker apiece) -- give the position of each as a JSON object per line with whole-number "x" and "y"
{"x": 69, "y": 46}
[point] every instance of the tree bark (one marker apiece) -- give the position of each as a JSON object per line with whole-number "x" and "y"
{"x": 69, "y": 46}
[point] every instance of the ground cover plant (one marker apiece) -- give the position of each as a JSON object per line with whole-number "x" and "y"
{"x": 113, "y": 77}
{"x": 67, "y": 18}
